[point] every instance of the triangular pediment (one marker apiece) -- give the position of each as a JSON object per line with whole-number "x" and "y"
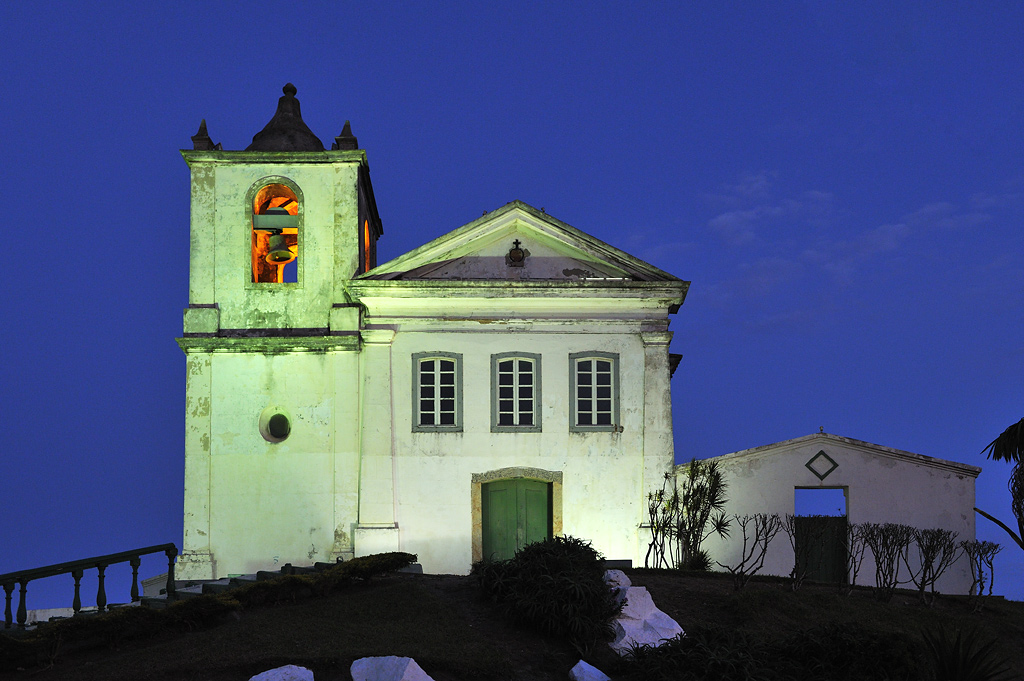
{"x": 485, "y": 249}
{"x": 832, "y": 443}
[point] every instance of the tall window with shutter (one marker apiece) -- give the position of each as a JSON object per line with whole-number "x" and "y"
{"x": 515, "y": 392}
{"x": 437, "y": 392}
{"x": 594, "y": 390}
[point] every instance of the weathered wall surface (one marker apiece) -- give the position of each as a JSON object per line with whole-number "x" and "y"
{"x": 220, "y": 273}
{"x": 881, "y": 485}
{"x": 251, "y": 504}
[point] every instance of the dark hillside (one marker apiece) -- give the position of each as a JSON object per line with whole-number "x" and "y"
{"x": 442, "y": 622}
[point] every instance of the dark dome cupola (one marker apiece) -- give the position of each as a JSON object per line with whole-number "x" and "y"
{"x": 286, "y": 130}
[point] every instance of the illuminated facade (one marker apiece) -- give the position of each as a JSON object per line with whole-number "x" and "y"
{"x": 504, "y": 382}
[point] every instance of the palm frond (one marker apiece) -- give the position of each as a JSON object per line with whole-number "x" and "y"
{"x": 1009, "y": 446}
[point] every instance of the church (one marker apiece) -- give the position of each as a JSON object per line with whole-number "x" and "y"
{"x": 503, "y": 383}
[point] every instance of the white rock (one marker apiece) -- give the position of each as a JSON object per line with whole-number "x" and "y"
{"x": 585, "y": 672}
{"x": 388, "y": 668}
{"x": 616, "y": 578}
{"x": 287, "y": 673}
{"x": 641, "y": 622}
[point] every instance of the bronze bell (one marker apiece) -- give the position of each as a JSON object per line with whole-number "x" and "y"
{"x": 278, "y": 252}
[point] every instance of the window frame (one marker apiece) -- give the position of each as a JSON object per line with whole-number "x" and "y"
{"x": 574, "y": 425}
{"x": 535, "y": 359}
{"x": 417, "y": 426}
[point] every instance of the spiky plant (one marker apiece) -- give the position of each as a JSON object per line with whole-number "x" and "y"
{"x": 965, "y": 655}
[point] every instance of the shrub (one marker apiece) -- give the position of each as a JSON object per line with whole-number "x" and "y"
{"x": 555, "y": 585}
{"x": 833, "y": 652}
{"x": 679, "y": 519}
{"x": 889, "y": 543}
{"x": 282, "y": 589}
{"x": 200, "y": 612}
{"x": 700, "y": 561}
{"x": 758, "y": 530}
{"x": 937, "y": 550}
{"x": 846, "y": 652}
{"x": 703, "y": 654}
{"x": 368, "y": 567}
{"x": 964, "y": 655}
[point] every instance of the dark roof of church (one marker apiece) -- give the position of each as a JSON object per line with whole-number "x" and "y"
{"x": 286, "y": 131}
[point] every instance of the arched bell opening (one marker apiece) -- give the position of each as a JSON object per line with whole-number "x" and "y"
{"x": 275, "y": 234}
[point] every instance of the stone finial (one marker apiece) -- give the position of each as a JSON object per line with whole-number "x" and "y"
{"x": 201, "y": 140}
{"x": 346, "y": 141}
{"x": 286, "y": 131}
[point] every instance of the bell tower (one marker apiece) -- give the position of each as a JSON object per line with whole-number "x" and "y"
{"x": 272, "y": 345}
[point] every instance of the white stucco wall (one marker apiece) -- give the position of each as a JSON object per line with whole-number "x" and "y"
{"x": 602, "y": 488}
{"x": 881, "y": 485}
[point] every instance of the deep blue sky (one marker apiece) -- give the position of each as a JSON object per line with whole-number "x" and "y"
{"x": 844, "y": 188}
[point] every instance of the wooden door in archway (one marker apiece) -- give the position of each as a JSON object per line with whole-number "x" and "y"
{"x": 514, "y": 513}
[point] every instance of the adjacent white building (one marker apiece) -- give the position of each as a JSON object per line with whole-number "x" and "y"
{"x": 502, "y": 383}
{"x": 875, "y": 484}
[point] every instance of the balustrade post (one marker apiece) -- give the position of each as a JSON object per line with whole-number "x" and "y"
{"x": 8, "y": 617}
{"x": 22, "y": 612}
{"x": 171, "y": 554}
{"x": 101, "y": 592}
{"x": 135, "y": 562}
{"x": 76, "y": 605}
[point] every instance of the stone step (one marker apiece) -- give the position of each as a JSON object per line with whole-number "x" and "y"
{"x": 192, "y": 588}
{"x": 188, "y": 592}
{"x": 289, "y": 569}
{"x": 155, "y": 602}
{"x": 218, "y": 586}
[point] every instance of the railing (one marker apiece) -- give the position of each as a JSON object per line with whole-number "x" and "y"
{"x": 77, "y": 569}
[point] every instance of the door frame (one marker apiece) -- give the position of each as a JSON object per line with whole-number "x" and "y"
{"x": 834, "y": 547}
{"x": 554, "y": 478}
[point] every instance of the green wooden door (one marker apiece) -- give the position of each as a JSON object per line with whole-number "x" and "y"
{"x": 514, "y": 513}
{"x": 821, "y": 542}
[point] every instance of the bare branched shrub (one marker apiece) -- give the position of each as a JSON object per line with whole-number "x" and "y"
{"x": 937, "y": 550}
{"x": 661, "y": 506}
{"x": 758, "y": 531}
{"x": 802, "y": 550}
{"x": 681, "y": 519}
{"x": 981, "y": 555}
{"x": 856, "y": 547}
{"x": 889, "y": 543}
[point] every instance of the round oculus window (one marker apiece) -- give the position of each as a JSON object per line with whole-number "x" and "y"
{"x": 275, "y": 424}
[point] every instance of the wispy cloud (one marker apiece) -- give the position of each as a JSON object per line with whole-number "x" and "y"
{"x": 757, "y": 213}
{"x": 739, "y": 227}
{"x": 795, "y": 243}
{"x": 1011, "y": 193}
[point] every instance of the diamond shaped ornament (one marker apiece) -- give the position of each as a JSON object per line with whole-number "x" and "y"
{"x": 822, "y": 465}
